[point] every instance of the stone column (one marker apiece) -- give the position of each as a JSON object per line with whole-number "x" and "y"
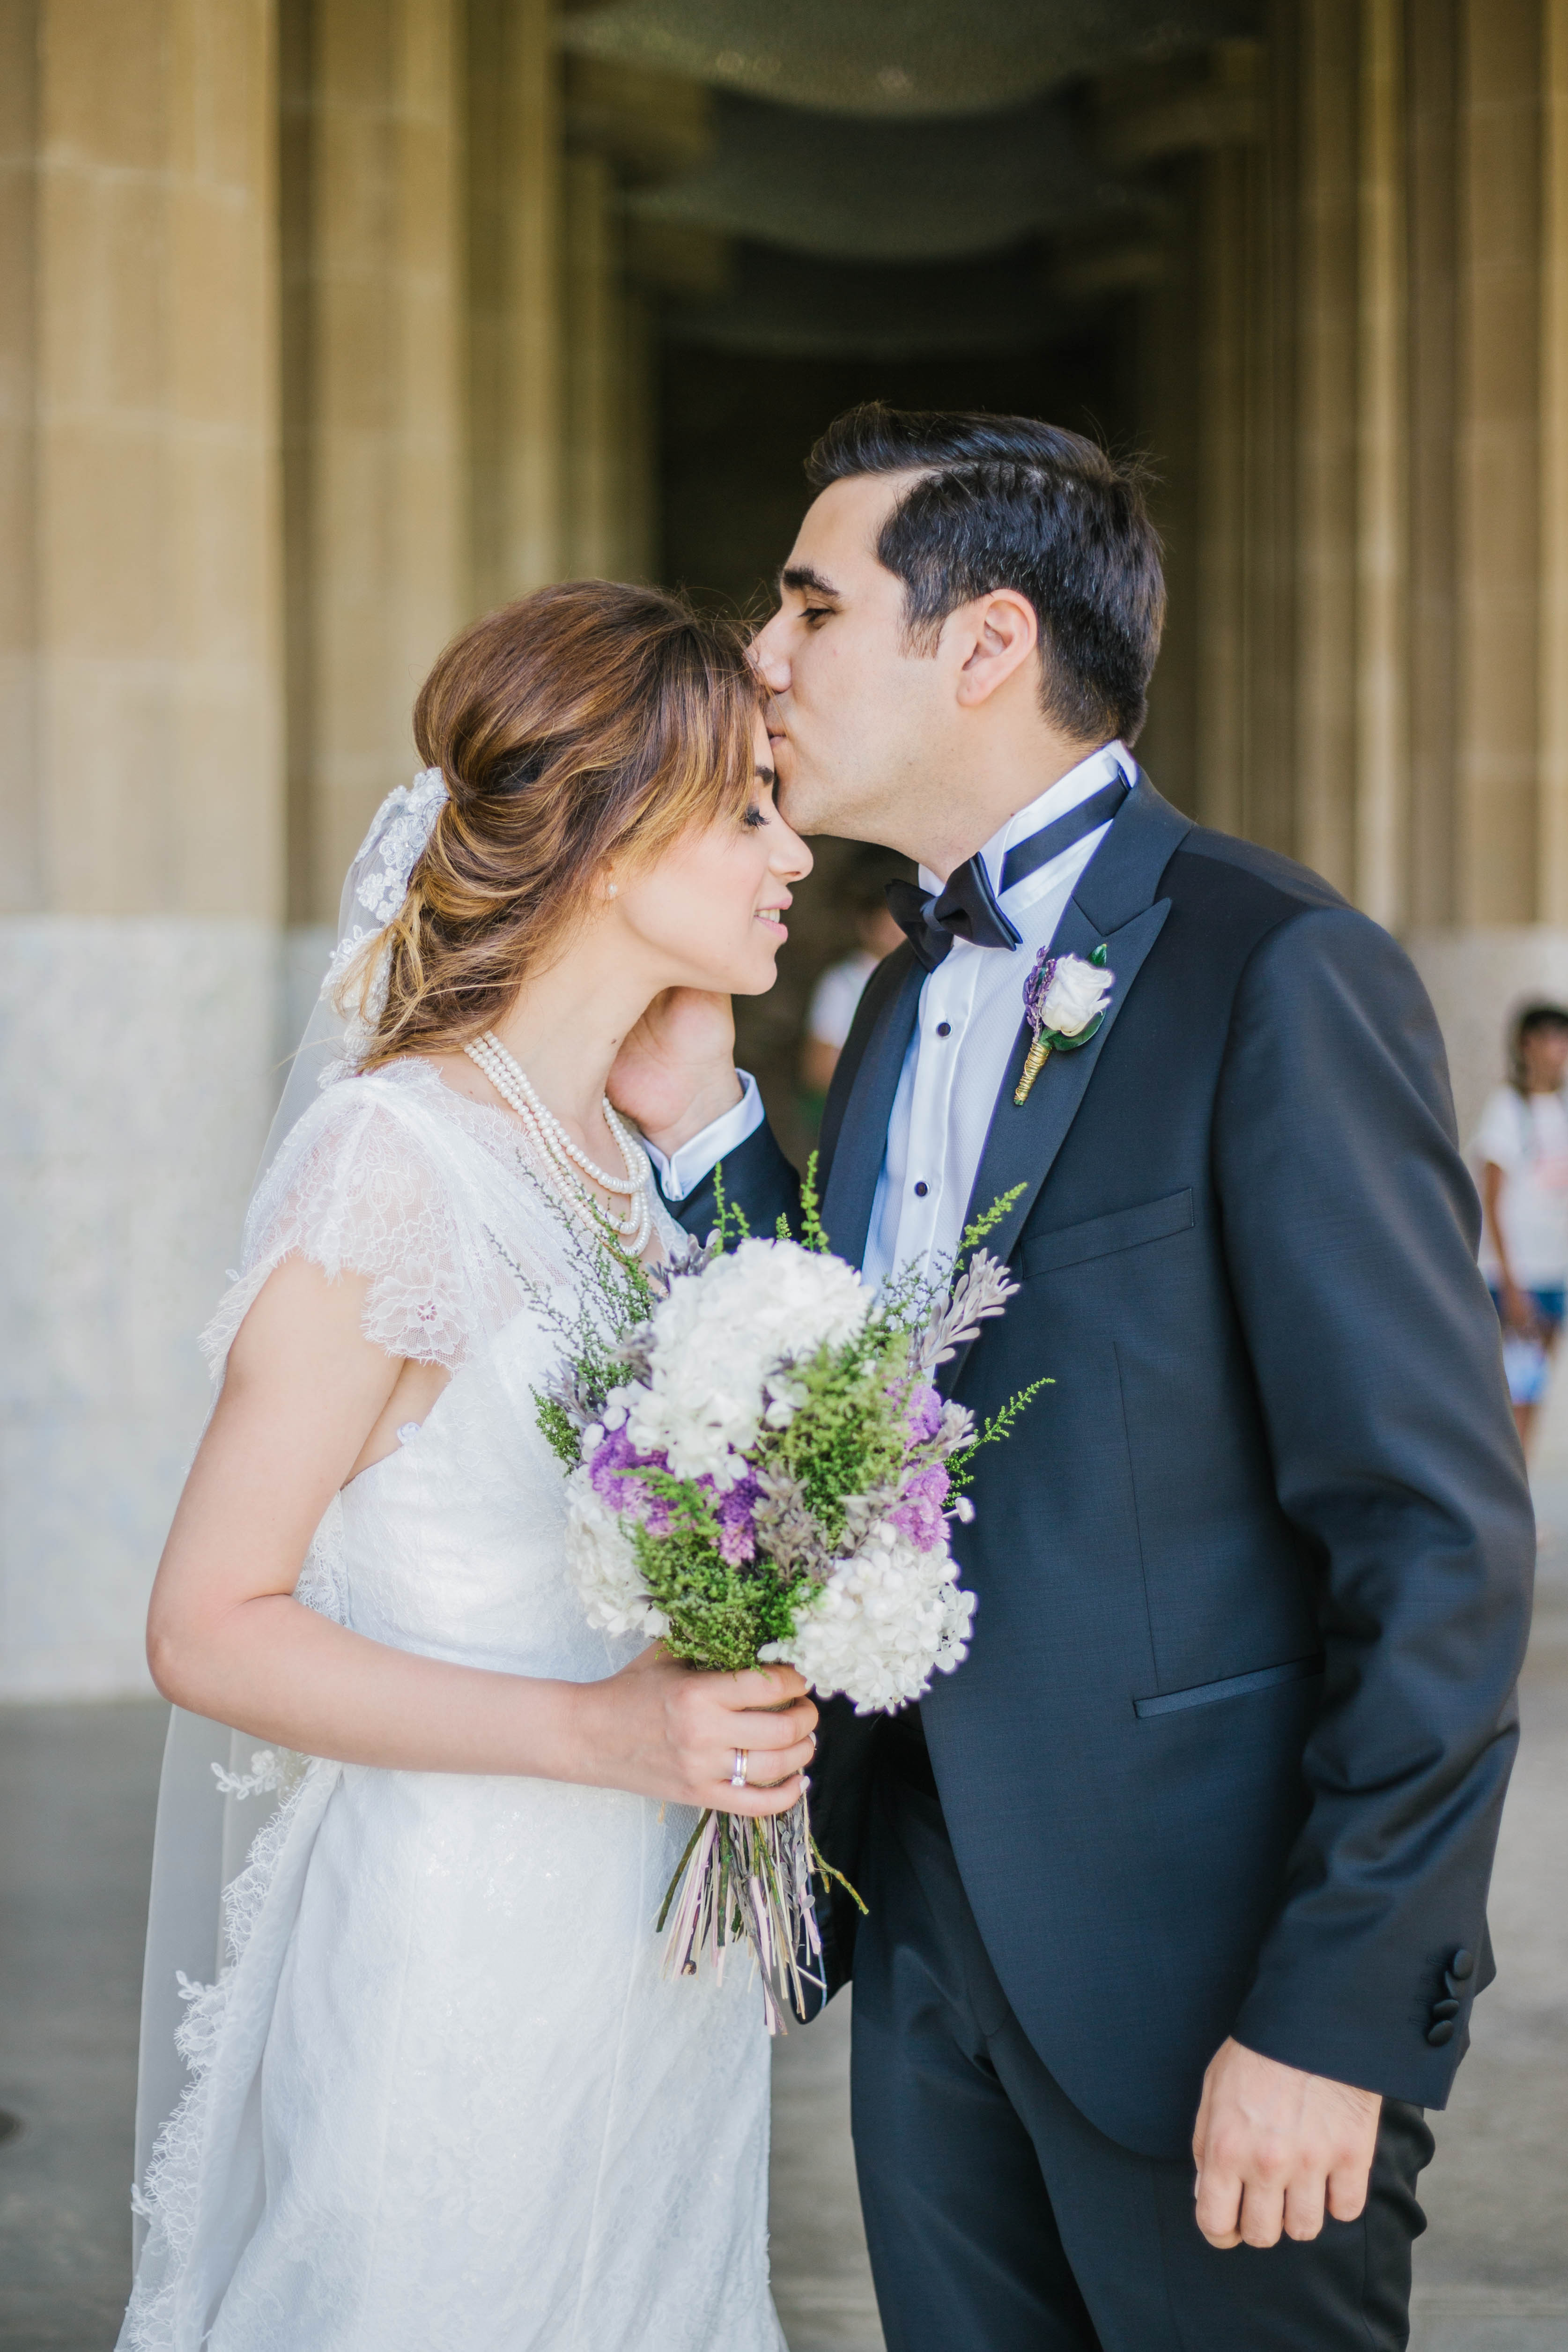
{"x": 1171, "y": 422}
{"x": 1209, "y": 387}
{"x": 142, "y": 858}
{"x": 1328, "y": 58}
{"x": 1500, "y": 387}
{"x": 595, "y": 364}
{"x": 1221, "y": 571}
{"x": 1382, "y": 584}
{"x": 1432, "y": 71}
{"x": 1495, "y": 946}
{"x": 609, "y": 432}
{"x": 514, "y": 297}
{"x": 638, "y": 469}
{"x": 377, "y": 404}
{"x": 20, "y": 845}
{"x": 1552, "y": 667}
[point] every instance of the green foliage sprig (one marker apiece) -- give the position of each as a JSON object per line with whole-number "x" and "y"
{"x": 998, "y": 1426}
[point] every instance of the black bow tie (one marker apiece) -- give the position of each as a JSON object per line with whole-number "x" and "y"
{"x": 967, "y": 907}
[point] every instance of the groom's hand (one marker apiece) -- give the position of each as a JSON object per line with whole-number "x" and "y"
{"x": 1274, "y": 2146}
{"x": 675, "y": 1073}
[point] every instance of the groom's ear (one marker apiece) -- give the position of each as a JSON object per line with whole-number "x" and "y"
{"x": 992, "y": 639}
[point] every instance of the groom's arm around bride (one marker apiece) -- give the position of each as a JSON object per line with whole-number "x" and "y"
{"x": 1201, "y": 1832}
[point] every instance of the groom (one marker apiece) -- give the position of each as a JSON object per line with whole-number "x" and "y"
{"x": 1186, "y": 1867}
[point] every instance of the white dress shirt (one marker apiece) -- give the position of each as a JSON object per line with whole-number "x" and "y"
{"x": 969, "y": 1009}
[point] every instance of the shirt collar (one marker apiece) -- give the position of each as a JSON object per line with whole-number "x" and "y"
{"x": 1111, "y": 759}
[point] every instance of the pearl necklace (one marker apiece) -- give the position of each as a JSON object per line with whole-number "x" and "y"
{"x": 511, "y": 1082}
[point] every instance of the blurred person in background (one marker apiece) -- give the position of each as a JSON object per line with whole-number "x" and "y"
{"x": 862, "y": 901}
{"x": 1521, "y": 1146}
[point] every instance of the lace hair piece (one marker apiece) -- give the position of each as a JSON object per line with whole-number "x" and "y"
{"x": 374, "y": 889}
{"x": 378, "y": 884}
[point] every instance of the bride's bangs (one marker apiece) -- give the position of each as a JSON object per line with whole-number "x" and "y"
{"x": 704, "y": 754}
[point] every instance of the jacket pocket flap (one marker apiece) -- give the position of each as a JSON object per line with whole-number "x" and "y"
{"x": 1294, "y": 1670}
{"x": 1122, "y": 1229}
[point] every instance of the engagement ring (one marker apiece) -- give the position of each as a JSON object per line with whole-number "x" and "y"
{"x": 738, "y": 1777}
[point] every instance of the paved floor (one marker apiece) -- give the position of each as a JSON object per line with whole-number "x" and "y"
{"x": 75, "y": 1831}
{"x": 76, "y": 1835}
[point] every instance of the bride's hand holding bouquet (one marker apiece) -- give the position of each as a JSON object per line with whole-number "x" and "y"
{"x": 661, "y": 1730}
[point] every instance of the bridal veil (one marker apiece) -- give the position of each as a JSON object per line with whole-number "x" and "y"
{"x": 210, "y": 1806}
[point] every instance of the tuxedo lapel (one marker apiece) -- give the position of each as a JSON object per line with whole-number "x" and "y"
{"x": 1113, "y": 907}
{"x": 855, "y": 1127}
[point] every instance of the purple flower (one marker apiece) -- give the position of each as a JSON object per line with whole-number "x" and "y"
{"x": 918, "y": 1513}
{"x": 922, "y": 1413}
{"x": 612, "y": 1456}
{"x": 611, "y": 1473}
{"x": 737, "y": 1528}
{"x": 1037, "y": 988}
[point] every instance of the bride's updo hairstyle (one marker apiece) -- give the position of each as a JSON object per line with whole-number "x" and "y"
{"x": 589, "y": 722}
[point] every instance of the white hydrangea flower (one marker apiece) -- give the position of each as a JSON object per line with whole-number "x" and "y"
{"x": 716, "y": 1341}
{"x": 603, "y": 1565}
{"x": 884, "y": 1622}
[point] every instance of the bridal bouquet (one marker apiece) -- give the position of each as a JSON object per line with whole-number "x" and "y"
{"x": 758, "y": 1469}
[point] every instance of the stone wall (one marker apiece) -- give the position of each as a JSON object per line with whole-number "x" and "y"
{"x": 135, "y": 1054}
{"x": 142, "y": 838}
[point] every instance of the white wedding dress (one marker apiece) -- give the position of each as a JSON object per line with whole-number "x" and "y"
{"x": 442, "y": 2098}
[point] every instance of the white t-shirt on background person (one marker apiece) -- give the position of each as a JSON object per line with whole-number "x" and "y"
{"x": 1527, "y": 1136}
{"x": 836, "y": 997}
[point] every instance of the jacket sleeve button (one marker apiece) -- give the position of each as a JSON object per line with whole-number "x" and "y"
{"x": 1437, "y": 2034}
{"x": 1462, "y": 1965}
{"x": 1441, "y": 2009}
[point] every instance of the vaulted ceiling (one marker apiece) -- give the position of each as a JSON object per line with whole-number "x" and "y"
{"x": 904, "y": 59}
{"x": 903, "y": 174}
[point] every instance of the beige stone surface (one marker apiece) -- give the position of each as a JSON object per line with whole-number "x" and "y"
{"x": 141, "y": 625}
{"x": 1499, "y": 545}
{"x": 594, "y": 321}
{"x": 376, "y": 425}
{"x": 515, "y": 277}
{"x": 136, "y": 1055}
{"x": 1553, "y": 826}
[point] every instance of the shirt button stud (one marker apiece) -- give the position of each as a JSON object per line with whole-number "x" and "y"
{"x": 944, "y": 1028}
{"x": 920, "y": 1191}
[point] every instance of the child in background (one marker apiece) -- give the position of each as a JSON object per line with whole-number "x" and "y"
{"x": 1522, "y": 1146}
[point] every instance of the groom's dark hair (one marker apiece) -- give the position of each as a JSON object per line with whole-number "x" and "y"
{"x": 1008, "y": 502}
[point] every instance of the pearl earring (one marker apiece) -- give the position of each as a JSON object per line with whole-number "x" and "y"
{"x": 610, "y": 890}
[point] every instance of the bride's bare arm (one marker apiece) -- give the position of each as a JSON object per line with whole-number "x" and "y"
{"x": 304, "y": 1397}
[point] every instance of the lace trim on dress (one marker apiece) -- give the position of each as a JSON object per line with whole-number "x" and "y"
{"x": 170, "y": 2199}
{"x": 397, "y": 1178}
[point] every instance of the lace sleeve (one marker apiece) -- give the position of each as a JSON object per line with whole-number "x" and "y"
{"x": 355, "y": 1188}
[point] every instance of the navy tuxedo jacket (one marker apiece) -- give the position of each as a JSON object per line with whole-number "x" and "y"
{"x": 1229, "y": 1750}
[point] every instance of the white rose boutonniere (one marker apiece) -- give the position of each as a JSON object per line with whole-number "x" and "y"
{"x": 1065, "y": 999}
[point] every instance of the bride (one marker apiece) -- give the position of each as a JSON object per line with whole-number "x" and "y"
{"x": 440, "y": 2092}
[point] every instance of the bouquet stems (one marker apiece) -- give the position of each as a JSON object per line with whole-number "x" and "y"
{"x": 744, "y": 1881}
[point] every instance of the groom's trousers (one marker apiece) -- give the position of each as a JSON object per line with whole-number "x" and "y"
{"x": 999, "y": 2219}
